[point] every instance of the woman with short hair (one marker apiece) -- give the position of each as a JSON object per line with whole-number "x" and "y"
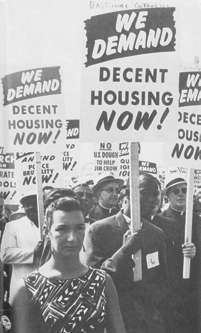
{"x": 64, "y": 295}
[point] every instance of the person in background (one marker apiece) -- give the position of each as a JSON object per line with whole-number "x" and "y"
{"x": 17, "y": 214}
{"x": 6, "y": 313}
{"x": 84, "y": 194}
{"x": 46, "y": 191}
{"x": 4, "y": 216}
{"x": 197, "y": 202}
{"x": 107, "y": 191}
{"x": 109, "y": 244}
{"x": 181, "y": 308}
{"x": 64, "y": 295}
{"x": 19, "y": 240}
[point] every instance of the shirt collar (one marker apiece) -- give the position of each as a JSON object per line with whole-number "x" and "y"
{"x": 179, "y": 212}
{"x": 106, "y": 208}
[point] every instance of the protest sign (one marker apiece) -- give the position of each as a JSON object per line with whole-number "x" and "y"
{"x": 124, "y": 161}
{"x": 181, "y": 172}
{"x": 51, "y": 171}
{"x": 106, "y": 158}
{"x": 186, "y": 148}
{"x": 90, "y": 160}
{"x": 70, "y": 164}
{"x": 85, "y": 161}
{"x": 7, "y": 176}
{"x": 128, "y": 78}
{"x": 34, "y": 114}
{"x": 176, "y": 172}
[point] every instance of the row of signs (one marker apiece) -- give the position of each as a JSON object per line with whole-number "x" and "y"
{"x": 132, "y": 84}
{"x": 78, "y": 163}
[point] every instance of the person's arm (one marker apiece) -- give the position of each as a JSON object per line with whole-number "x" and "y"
{"x": 93, "y": 254}
{"x": 11, "y": 253}
{"x": 131, "y": 243}
{"x": 115, "y": 322}
{"x": 27, "y": 318}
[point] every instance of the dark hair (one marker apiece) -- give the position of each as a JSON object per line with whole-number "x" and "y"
{"x": 145, "y": 179}
{"x": 148, "y": 180}
{"x": 60, "y": 199}
{"x": 48, "y": 188}
{"x": 58, "y": 193}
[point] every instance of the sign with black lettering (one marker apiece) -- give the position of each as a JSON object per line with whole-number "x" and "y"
{"x": 106, "y": 158}
{"x": 7, "y": 176}
{"x": 71, "y": 158}
{"x": 33, "y": 83}
{"x": 72, "y": 129}
{"x": 34, "y": 113}
{"x": 186, "y": 149}
{"x": 129, "y": 87}
{"x": 51, "y": 171}
{"x": 131, "y": 32}
{"x": 190, "y": 88}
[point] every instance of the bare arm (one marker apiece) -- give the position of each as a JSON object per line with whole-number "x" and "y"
{"x": 115, "y": 322}
{"x": 26, "y": 318}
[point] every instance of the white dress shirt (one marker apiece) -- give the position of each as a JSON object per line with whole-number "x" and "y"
{"x": 19, "y": 240}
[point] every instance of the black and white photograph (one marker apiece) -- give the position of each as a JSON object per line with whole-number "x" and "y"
{"x": 100, "y": 166}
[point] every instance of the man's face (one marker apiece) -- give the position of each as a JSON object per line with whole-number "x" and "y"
{"x": 85, "y": 196}
{"x": 30, "y": 207}
{"x": 150, "y": 199}
{"x": 177, "y": 197}
{"x": 108, "y": 194}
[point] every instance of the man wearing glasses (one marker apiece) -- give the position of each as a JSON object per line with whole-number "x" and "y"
{"x": 176, "y": 193}
{"x": 181, "y": 305}
{"x": 107, "y": 191}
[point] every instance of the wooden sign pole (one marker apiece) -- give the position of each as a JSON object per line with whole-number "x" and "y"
{"x": 39, "y": 193}
{"x": 189, "y": 219}
{"x": 135, "y": 204}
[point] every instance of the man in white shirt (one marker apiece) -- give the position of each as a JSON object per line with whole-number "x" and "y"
{"x": 19, "y": 240}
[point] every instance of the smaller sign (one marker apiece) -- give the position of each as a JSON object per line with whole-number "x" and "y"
{"x": 72, "y": 129}
{"x": 189, "y": 88}
{"x": 7, "y": 176}
{"x": 152, "y": 260}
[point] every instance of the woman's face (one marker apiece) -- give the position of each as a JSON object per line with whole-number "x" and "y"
{"x": 67, "y": 232}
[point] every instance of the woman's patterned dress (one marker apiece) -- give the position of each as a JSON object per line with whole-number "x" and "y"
{"x": 71, "y": 305}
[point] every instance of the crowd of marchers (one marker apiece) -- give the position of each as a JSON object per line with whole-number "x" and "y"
{"x": 79, "y": 278}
